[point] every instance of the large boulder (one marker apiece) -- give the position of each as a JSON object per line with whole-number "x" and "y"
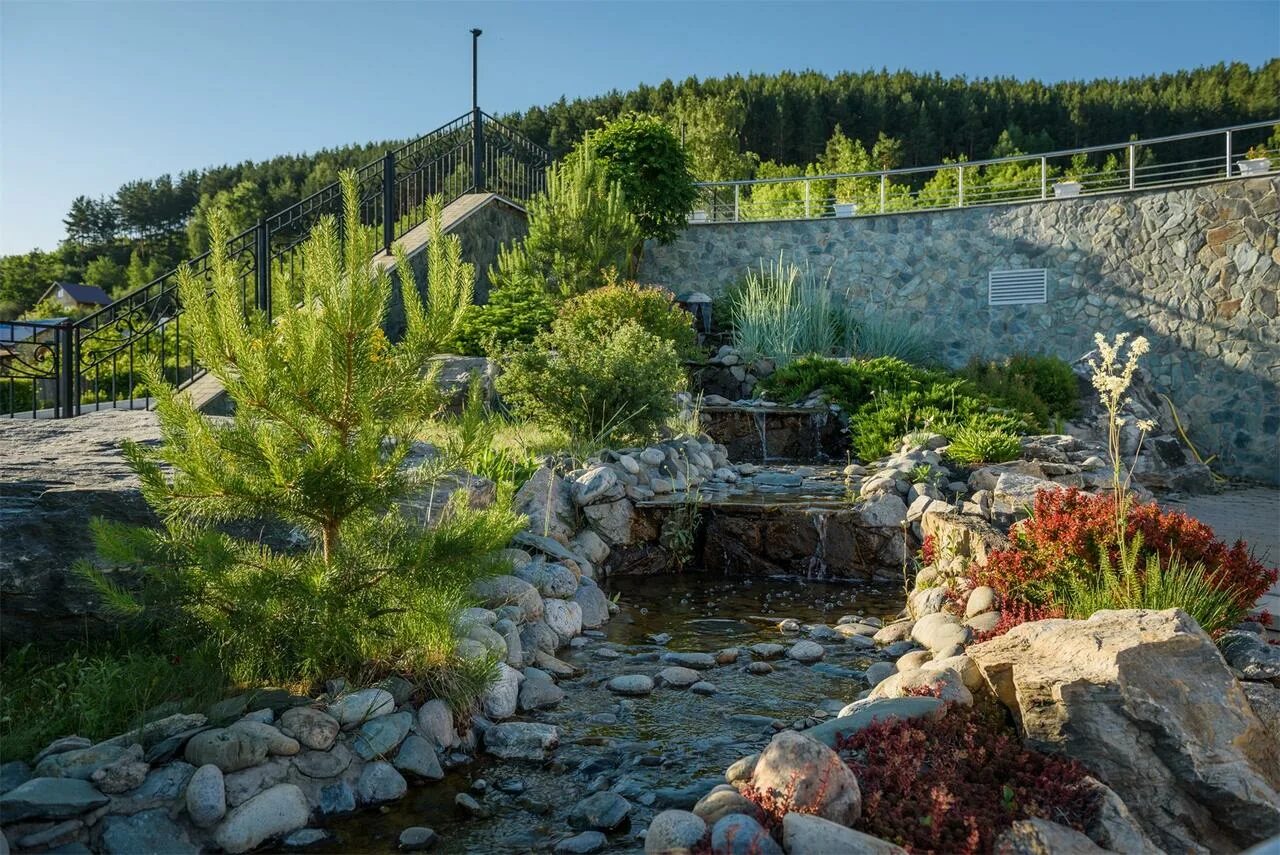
{"x": 810, "y": 776}
{"x": 545, "y": 500}
{"x": 55, "y": 476}
{"x": 1144, "y": 701}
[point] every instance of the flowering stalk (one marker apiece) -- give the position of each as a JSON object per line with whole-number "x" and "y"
{"x": 1112, "y": 374}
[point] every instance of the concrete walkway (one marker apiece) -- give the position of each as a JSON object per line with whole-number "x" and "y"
{"x": 1248, "y": 513}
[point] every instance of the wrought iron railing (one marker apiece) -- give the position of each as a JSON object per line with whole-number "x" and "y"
{"x": 1161, "y": 162}
{"x": 63, "y": 369}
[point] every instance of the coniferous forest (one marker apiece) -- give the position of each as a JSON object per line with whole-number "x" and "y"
{"x": 735, "y": 127}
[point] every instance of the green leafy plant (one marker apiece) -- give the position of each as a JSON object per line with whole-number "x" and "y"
{"x": 619, "y": 386}
{"x": 1147, "y": 580}
{"x": 1043, "y": 387}
{"x": 784, "y": 312}
{"x": 979, "y": 441}
{"x": 642, "y": 154}
{"x": 597, "y": 314}
{"x": 327, "y": 411}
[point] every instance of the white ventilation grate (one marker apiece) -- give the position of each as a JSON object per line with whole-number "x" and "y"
{"x": 1017, "y": 287}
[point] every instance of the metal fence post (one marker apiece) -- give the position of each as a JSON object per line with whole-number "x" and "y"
{"x": 960, "y": 184}
{"x": 807, "y": 205}
{"x": 1044, "y": 179}
{"x": 884, "y": 180}
{"x": 1228, "y": 154}
{"x": 262, "y": 255}
{"x": 1132, "y": 168}
{"x": 477, "y": 151}
{"x": 68, "y": 358}
{"x": 388, "y": 201}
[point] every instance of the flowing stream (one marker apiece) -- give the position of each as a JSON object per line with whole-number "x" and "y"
{"x": 659, "y": 751}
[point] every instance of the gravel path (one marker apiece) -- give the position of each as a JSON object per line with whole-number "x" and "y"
{"x": 1251, "y": 513}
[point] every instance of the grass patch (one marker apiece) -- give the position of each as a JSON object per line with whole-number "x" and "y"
{"x": 96, "y": 694}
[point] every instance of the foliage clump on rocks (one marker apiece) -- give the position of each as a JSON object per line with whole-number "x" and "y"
{"x": 953, "y": 783}
{"x": 327, "y": 414}
{"x": 887, "y": 398}
{"x": 1079, "y": 553}
{"x": 1070, "y": 546}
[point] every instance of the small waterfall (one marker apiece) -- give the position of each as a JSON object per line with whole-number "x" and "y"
{"x": 759, "y": 417}
{"x": 816, "y": 565}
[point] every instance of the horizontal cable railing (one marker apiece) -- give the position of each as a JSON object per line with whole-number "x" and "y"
{"x": 62, "y": 369}
{"x": 1160, "y": 162}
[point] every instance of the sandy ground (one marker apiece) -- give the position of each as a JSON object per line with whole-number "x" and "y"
{"x": 1251, "y": 513}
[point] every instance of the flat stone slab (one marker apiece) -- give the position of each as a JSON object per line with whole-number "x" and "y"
{"x": 49, "y": 798}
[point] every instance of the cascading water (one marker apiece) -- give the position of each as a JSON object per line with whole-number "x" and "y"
{"x": 817, "y": 564}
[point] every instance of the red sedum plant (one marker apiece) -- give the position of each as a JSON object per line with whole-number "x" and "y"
{"x": 1068, "y": 530}
{"x": 952, "y": 785}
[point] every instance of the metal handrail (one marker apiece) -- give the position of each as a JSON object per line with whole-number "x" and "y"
{"x": 910, "y": 170}
{"x": 393, "y": 188}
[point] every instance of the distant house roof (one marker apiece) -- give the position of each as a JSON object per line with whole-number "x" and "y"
{"x": 91, "y": 294}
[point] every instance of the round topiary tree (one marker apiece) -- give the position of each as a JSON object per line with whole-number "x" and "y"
{"x": 644, "y": 156}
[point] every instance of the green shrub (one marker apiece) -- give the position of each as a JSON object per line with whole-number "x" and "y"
{"x": 618, "y": 387}
{"x": 1052, "y": 380}
{"x": 326, "y": 412}
{"x": 597, "y": 314}
{"x": 887, "y": 398}
{"x": 1043, "y": 387}
{"x": 979, "y": 441}
{"x": 840, "y": 383}
{"x": 784, "y": 312}
{"x": 516, "y": 312}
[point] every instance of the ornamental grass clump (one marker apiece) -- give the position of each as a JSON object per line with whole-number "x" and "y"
{"x": 783, "y": 311}
{"x": 326, "y": 413}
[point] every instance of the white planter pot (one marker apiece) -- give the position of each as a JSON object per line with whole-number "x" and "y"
{"x": 698, "y": 217}
{"x": 845, "y": 209}
{"x": 1254, "y": 166}
{"x": 1067, "y": 189}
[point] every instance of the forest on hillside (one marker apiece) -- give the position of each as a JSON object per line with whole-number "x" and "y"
{"x": 735, "y": 127}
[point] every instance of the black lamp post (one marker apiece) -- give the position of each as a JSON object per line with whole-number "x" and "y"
{"x": 477, "y": 124}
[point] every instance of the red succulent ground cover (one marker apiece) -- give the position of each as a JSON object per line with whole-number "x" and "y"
{"x": 1069, "y": 527}
{"x": 953, "y": 784}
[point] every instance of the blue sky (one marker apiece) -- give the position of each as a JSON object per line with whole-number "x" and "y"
{"x": 93, "y": 94}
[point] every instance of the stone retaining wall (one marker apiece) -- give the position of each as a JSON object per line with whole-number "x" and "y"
{"x": 1196, "y": 270}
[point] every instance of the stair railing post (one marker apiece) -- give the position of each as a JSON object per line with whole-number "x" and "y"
{"x": 477, "y": 150}
{"x": 388, "y": 201}
{"x": 68, "y": 358}
{"x": 262, "y": 255}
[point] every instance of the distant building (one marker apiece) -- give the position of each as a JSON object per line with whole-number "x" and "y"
{"x": 76, "y": 296}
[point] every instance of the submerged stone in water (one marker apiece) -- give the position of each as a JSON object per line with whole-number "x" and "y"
{"x": 600, "y": 811}
{"x": 586, "y": 843}
{"x": 630, "y": 684}
{"x": 700, "y": 661}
